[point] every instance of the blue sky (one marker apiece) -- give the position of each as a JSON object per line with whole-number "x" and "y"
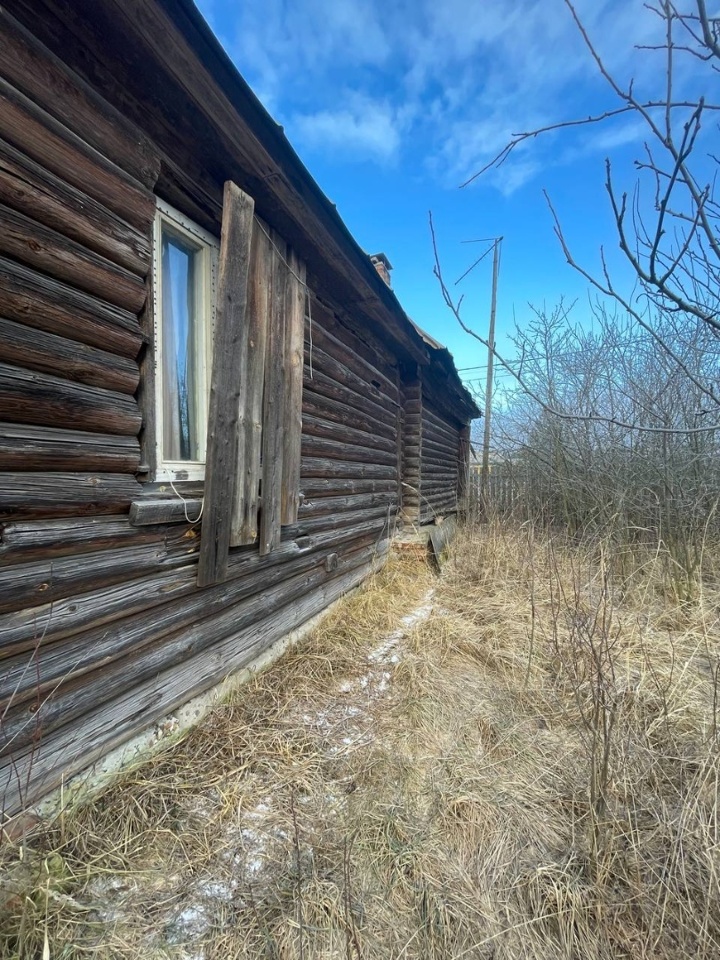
{"x": 392, "y": 105}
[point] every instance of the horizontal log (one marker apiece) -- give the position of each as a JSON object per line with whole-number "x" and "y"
{"x": 63, "y": 618}
{"x": 438, "y": 506}
{"x": 449, "y": 437}
{"x": 433, "y": 484}
{"x": 28, "y": 584}
{"x": 343, "y": 352}
{"x": 50, "y": 252}
{"x": 154, "y": 644}
{"x": 323, "y": 467}
{"x": 438, "y": 468}
{"x": 350, "y": 330}
{"x": 376, "y": 517}
{"x": 47, "y": 81}
{"x": 146, "y": 512}
{"x": 337, "y": 505}
{"x": 50, "y": 143}
{"x": 185, "y": 628}
{"x": 439, "y": 461}
{"x": 435, "y": 419}
{"x": 331, "y": 367}
{"x": 34, "y": 495}
{"x": 320, "y": 427}
{"x": 28, "y": 187}
{"x": 28, "y": 397}
{"x": 22, "y": 542}
{"x": 44, "y": 303}
{"x": 319, "y": 383}
{"x": 98, "y": 647}
{"x": 331, "y": 486}
{"x": 101, "y": 669}
{"x": 442, "y": 445}
{"x": 330, "y": 409}
{"x": 321, "y": 447}
{"x": 449, "y": 440}
{"x": 30, "y": 776}
{"x": 48, "y": 353}
{"x": 28, "y": 447}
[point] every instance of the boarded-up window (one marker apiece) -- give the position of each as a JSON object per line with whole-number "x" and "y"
{"x": 254, "y": 426}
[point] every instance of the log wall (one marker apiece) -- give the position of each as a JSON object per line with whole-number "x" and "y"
{"x": 440, "y": 473}
{"x": 103, "y": 628}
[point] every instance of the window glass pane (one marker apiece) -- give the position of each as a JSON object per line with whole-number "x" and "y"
{"x": 181, "y": 342}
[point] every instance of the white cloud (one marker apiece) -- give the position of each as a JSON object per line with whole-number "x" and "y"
{"x": 360, "y": 129}
{"x": 451, "y": 80}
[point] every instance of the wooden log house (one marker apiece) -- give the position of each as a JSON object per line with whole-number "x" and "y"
{"x": 213, "y": 408}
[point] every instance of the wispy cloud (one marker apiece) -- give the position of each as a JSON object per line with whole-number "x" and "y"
{"x": 361, "y": 128}
{"x": 451, "y": 81}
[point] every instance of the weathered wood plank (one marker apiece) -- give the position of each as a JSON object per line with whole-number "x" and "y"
{"x": 27, "y": 187}
{"x": 346, "y": 469}
{"x": 45, "y": 303}
{"x": 48, "y": 353}
{"x": 340, "y": 504}
{"x": 63, "y": 618}
{"x": 325, "y": 363}
{"x": 225, "y": 387}
{"x": 51, "y": 144}
{"x": 45, "y": 79}
{"x": 46, "y": 539}
{"x": 183, "y": 630}
{"x": 27, "y": 778}
{"x": 293, "y": 366}
{"x": 327, "y": 408}
{"x": 146, "y": 512}
{"x": 376, "y": 516}
{"x": 273, "y": 404}
{"x": 335, "y": 486}
{"x": 35, "y": 495}
{"x": 345, "y": 351}
{"x": 28, "y": 397}
{"x": 27, "y": 447}
{"x": 251, "y": 373}
{"x": 320, "y": 427}
{"x": 28, "y": 584}
{"x": 317, "y": 383}
{"x": 322, "y": 447}
{"x": 349, "y": 329}
{"x": 52, "y": 253}
{"x": 195, "y": 617}
{"x": 434, "y": 417}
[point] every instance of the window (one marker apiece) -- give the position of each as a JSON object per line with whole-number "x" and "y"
{"x": 185, "y": 263}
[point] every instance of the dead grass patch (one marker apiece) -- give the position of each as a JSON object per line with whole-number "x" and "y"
{"x": 517, "y": 760}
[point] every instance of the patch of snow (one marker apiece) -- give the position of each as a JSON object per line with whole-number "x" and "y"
{"x": 190, "y": 924}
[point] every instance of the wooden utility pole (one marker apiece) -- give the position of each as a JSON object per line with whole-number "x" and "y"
{"x": 485, "y": 475}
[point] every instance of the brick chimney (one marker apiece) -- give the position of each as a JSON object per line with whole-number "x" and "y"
{"x": 383, "y": 266}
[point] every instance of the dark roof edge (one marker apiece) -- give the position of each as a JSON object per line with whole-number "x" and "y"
{"x": 184, "y": 15}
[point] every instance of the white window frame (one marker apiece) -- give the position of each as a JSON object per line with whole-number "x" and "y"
{"x": 178, "y": 470}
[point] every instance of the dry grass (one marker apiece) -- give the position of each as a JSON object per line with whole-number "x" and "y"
{"x": 526, "y": 766}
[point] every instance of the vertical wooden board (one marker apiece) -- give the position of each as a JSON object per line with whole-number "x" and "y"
{"x": 273, "y": 405}
{"x": 244, "y": 526}
{"x": 293, "y": 363}
{"x": 225, "y": 385}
